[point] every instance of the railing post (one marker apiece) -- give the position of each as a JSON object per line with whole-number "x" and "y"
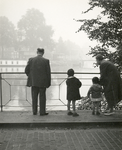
{"x": 1, "y": 92}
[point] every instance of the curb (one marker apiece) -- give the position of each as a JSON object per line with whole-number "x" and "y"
{"x": 63, "y": 125}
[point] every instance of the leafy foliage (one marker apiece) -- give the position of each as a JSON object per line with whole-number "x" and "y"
{"x": 107, "y": 33}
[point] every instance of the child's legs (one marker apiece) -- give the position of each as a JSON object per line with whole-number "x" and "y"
{"x": 93, "y": 106}
{"x": 68, "y": 105}
{"x": 97, "y": 106}
{"x": 73, "y": 105}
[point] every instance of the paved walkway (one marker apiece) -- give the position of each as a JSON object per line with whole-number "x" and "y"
{"x": 38, "y": 139}
{"x": 58, "y": 118}
{"x": 45, "y": 138}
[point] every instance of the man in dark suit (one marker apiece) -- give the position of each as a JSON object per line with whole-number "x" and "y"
{"x": 39, "y": 78}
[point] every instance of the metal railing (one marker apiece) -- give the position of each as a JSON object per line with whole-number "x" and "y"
{"x": 15, "y": 95}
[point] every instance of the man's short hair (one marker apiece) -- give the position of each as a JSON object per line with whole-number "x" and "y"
{"x": 99, "y": 57}
{"x": 40, "y": 50}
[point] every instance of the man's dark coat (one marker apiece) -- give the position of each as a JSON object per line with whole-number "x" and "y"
{"x": 38, "y": 72}
{"x": 111, "y": 81}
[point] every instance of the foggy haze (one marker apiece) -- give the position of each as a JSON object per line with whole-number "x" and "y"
{"x": 26, "y": 25}
{"x": 63, "y": 46}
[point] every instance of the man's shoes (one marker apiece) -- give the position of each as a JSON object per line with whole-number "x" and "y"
{"x": 69, "y": 113}
{"x": 34, "y": 113}
{"x": 75, "y": 115}
{"x": 93, "y": 113}
{"x": 97, "y": 113}
{"x": 44, "y": 114}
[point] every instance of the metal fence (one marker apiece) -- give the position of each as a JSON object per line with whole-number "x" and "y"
{"x": 16, "y": 96}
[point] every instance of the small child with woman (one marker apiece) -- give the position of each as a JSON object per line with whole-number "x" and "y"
{"x": 73, "y": 94}
{"x": 95, "y": 95}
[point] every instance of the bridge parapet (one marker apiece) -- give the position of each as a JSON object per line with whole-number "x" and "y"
{"x": 15, "y": 95}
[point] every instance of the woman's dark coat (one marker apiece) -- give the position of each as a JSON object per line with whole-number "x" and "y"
{"x": 111, "y": 81}
{"x": 73, "y": 85}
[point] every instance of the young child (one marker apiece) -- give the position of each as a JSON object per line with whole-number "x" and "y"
{"x": 73, "y": 94}
{"x": 95, "y": 95}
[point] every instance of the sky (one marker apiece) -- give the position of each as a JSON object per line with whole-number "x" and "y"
{"x": 60, "y": 14}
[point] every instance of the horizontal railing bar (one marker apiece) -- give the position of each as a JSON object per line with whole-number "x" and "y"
{"x": 27, "y": 100}
{"x": 31, "y": 106}
{"x": 16, "y": 106}
{"x": 51, "y": 78}
{"x": 11, "y": 66}
{"x": 51, "y": 73}
{"x": 51, "y": 85}
{"x": 17, "y": 85}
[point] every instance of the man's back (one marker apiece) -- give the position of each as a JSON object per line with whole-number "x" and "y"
{"x": 39, "y": 69}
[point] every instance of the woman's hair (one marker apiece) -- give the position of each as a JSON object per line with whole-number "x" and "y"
{"x": 70, "y": 72}
{"x": 95, "y": 80}
{"x": 99, "y": 57}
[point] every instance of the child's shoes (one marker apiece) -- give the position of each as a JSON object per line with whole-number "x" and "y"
{"x": 75, "y": 115}
{"x": 93, "y": 113}
{"x": 69, "y": 113}
{"x": 97, "y": 113}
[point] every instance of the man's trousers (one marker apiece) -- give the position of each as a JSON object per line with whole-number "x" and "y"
{"x": 41, "y": 92}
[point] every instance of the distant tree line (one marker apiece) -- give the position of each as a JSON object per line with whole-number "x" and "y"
{"x": 30, "y": 33}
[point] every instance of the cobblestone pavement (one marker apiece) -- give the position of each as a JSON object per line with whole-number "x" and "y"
{"x": 61, "y": 139}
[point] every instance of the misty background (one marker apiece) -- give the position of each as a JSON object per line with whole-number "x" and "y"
{"x": 51, "y": 24}
{"x": 27, "y": 25}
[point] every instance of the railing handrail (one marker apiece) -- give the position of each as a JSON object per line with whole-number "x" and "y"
{"x": 52, "y": 73}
